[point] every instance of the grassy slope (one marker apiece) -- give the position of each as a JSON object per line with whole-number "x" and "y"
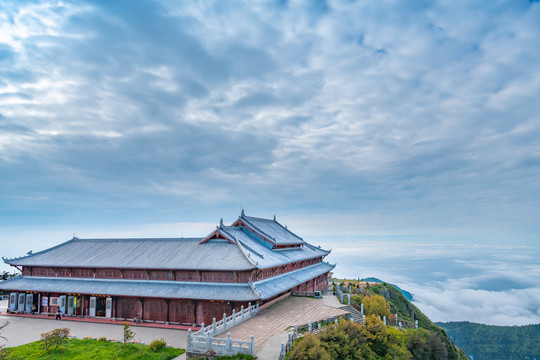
{"x": 488, "y": 342}
{"x": 91, "y": 349}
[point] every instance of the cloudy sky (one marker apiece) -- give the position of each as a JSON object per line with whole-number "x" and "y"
{"x": 399, "y": 125}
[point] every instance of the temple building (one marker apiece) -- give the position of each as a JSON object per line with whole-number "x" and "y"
{"x": 178, "y": 280}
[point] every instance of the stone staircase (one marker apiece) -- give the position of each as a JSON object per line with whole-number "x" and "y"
{"x": 357, "y": 316}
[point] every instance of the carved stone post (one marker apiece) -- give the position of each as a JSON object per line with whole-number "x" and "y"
{"x": 224, "y": 321}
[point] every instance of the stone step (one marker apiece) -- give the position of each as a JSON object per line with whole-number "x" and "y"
{"x": 357, "y": 316}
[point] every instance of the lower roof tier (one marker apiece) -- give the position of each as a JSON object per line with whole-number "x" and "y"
{"x": 259, "y": 290}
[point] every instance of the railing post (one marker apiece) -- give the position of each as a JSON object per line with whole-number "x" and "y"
{"x": 296, "y": 330}
{"x": 310, "y": 327}
{"x": 384, "y": 320}
{"x": 319, "y": 326}
{"x": 213, "y": 326}
{"x": 283, "y": 350}
{"x": 257, "y": 307}
{"x": 362, "y": 308}
{"x": 416, "y": 324}
{"x": 224, "y": 321}
{"x": 349, "y": 299}
{"x": 290, "y": 338}
{"x": 208, "y": 341}
{"x": 234, "y": 317}
{"x": 249, "y": 309}
{"x": 189, "y": 338}
{"x": 229, "y": 342}
{"x": 242, "y": 312}
{"x": 202, "y": 329}
{"x": 252, "y": 345}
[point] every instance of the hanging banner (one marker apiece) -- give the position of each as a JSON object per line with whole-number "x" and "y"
{"x": 44, "y": 301}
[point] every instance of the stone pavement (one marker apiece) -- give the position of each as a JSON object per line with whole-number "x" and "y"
{"x": 270, "y": 324}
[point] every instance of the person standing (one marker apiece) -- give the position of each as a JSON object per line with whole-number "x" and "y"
{"x": 58, "y": 314}
{"x": 33, "y": 309}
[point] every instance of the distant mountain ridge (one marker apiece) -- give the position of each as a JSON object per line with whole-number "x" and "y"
{"x": 490, "y": 342}
{"x": 405, "y": 293}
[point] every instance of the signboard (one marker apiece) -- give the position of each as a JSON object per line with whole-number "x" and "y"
{"x": 44, "y": 301}
{"x": 54, "y": 301}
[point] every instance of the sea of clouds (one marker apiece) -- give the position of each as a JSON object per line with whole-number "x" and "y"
{"x": 490, "y": 284}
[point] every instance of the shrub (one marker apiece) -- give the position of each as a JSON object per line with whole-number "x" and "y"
{"x": 103, "y": 338}
{"x": 309, "y": 347}
{"x": 56, "y": 338}
{"x": 157, "y": 344}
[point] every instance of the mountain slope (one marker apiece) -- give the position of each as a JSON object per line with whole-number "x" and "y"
{"x": 489, "y": 342}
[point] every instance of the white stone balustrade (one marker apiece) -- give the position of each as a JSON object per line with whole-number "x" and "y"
{"x": 199, "y": 342}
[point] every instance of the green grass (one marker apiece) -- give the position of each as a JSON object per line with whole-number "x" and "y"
{"x": 91, "y": 349}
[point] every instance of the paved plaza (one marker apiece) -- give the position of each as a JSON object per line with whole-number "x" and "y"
{"x": 269, "y": 326}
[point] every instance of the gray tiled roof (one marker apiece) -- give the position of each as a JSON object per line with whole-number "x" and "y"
{"x": 265, "y": 257}
{"x": 180, "y": 253}
{"x": 145, "y": 288}
{"x": 272, "y": 229}
{"x": 277, "y": 284}
{"x": 245, "y": 251}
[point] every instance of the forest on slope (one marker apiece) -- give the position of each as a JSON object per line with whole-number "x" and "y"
{"x": 490, "y": 342}
{"x": 375, "y": 340}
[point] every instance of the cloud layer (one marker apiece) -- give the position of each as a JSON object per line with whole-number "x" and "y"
{"x": 347, "y": 118}
{"x": 490, "y": 284}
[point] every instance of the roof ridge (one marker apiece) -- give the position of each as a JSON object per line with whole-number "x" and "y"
{"x": 259, "y": 218}
{"x": 304, "y": 269}
{"x": 246, "y": 255}
{"x": 141, "y": 239}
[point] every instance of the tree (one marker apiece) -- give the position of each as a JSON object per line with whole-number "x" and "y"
{"x": 128, "y": 334}
{"x": 376, "y": 334}
{"x": 376, "y": 305}
{"x": 3, "y": 352}
{"x": 54, "y": 338}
